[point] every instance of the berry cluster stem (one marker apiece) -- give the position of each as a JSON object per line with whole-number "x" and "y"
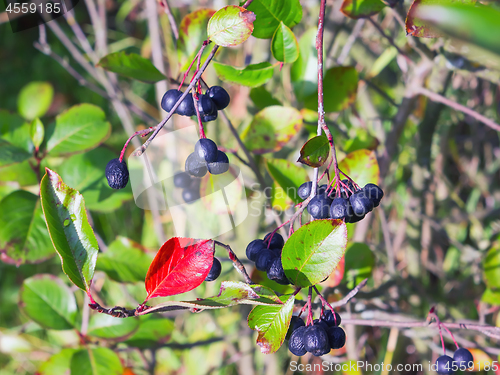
{"x": 432, "y": 314}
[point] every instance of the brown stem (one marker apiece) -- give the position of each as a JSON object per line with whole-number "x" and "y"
{"x": 236, "y": 262}
{"x": 171, "y": 19}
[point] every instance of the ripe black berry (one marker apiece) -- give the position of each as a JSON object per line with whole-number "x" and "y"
{"x": 182, "y": 180}
{"x": 205, "y": 105}
{"x": 254, "y": 248}
{"x": 169, "y": 99}
{"x": 360, "y": 203}
{"x": 319, "y": 207}
{"x": 316, "y": 340}
{"x": 214, "y": 271}
{"x": 330, "y": 319}
{"x": 444, "y": 365}
{"x": 186, "y": 108}
{"x": 374, "y": 193}
{"x": 264, "y": 259}
{"x": 463, "y": 359}
{"x": 117, "y": 174}
{"x": 276, "y": 272}
{"x": 190, "y": 195}
{"x": 206, "y": 149}
{"x": 220, "y": 165}
{"x": 277, "y": 242}
{"x": 296, "y": 343}
{"x": 321, "y": 323}
{"x": 195, "y": 167}
{"x": 295, "y": 323}
{"x": 336, "y": 337}
{"x": 339, "y": 208}
{"x": 322, "y": 189}
{"x": 219, "y": 96}
{"x": 305, "y": 190}
{"x": 344, "y": 192}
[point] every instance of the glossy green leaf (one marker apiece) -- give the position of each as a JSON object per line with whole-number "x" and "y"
{"x": 304, "y": 71}
{"x": 269, "y": 14}
{"x": 34, "y": 99}
{"x": 58, "y": 364}
{"x": 230, "y": 26}
{"x": 10, "y": 154}
{"x": 271, "y": 129}
{"x": 69, "y": 228}
{"x": 22, "y": 173}
{"x": 284, "y": 45}
{"x": 361, "y": 8}
{"x": 272, "y": 323}
{"x": 311, "y": 253}
{"x": 132, "y": 66}
{"x": 482, "y": 23}
{"x": 37, "y": 132}
{"x": 124, "y": 261}
{"x": 109, "y": 327}
{"x": 361, "y": 166}
{"x": 49, "y": 302}
{"x": 23, "y": 232}
{"x": 152, "y": 331}
{"x": 252, "y": 75}
{"x": 80, "y": 128}
{"x": 288, "y": 176}
{"x": 491, "y": 267}
{"x": 16, "y": 131}
{"x": 86, "y": 173}
{"x": 315, "y": 151}
{"x": 96, "y": 361}
{"x": 418, "y": 27}
{"x": 359, "y": 263}
{"x": 192, "y": 33}
{"x": 340, "y": 89}
{"x": 262, "y": 98}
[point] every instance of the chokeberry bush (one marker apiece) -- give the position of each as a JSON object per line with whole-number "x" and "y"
{"x": 356, "y": 148}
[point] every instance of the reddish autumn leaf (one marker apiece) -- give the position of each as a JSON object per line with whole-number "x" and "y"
{"x": 180, "y": 265}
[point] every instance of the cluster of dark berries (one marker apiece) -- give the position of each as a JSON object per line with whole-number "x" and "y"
{"x": 214, "y": 271}
{"x": 117, "y": 174}
{"x": 206, "y": 157}
{"x": 319, "y": 338}
{"x": 214, "y": 99}
{"x": 462, "y": 360}
{"x": 190, "y": 186}
{"x": 352, "y": 204}
{"x": 266, "y": 254}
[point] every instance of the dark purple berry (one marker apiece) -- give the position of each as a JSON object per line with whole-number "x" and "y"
{"x": 182, "y": 180}
{"x": 263, "y": 260}
{"x": 214, "y": 271}
{"x": 277, "y": 242}
{"x": 305, "y": 190}
{"x": 117, "y": 174}
{"x": 444, "y": 365}
{"x": 169, "y": 99}
{"x": 276, "y": 272}
{"x": 330, "y": 319}
{"x": 190, "y": 195}
{"x": 186, "y": 108}
{"x": 463, "y": 359}
{"x": 205, "y": 105}
{"x": 321, "y": 323}
{"x": 195, "y": 167}
{"x": 374, "y": 193}
{"x": 336, "y": 337}
{"x": 316, "y": 340}
{"x": 219, "y": 96}
{"x": 344, "y": 192}
{"x": 220, "y": 165}
{"x": 254, "y": 248}
{"x": 296, "y": 343}
{"x": 319, "y": 207}
{"x": 206, "y": 150}
{"x": 339, "y": 208}
{"x": 360, "y": 203}
{"x": 295, "y": 323}
{"x": 210, "y": 117}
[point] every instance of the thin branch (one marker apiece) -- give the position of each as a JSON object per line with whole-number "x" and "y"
{"x": 171, "y": 19}
{"x": 350, "y": 295}
{"x": 389, "y": 39}
{"x": 236, "y": 262}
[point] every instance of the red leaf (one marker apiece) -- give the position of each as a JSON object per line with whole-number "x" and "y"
{"x": 180, "y": 265}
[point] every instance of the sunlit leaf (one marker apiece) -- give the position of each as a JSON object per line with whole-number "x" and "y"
{"x": 131, "y": 65}
{"x": 230, "y": 26}
{"x": 252, "y": 75}
{"x": 34, "y": 99}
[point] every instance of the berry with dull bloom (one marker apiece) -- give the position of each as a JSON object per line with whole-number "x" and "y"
{"x": 264, "y": 259}
{"x": 194, "y": 166}
{"x": 169, "y": 99}
{"x": 182, "y": 180}
{"x": 206, "y": 150}
{"x": 117, "y": 173}
{"x": 214, "y": 271}
{"x": 276, "y": 272}
{"x": 336, "y": 337}
{"x": 186, "y": 108}
{"x": 463, "y": 359}
{"x": 277, "y": 241}
{"x": 444, "y": 365}
{"x": 254, "y": 248}
{"x": 220, "y": 165}
{"x": 316, "y": 340}
{"x": 296, "y": 343}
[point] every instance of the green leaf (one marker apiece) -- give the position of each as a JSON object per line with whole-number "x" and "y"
{"x": 311, "y": 253}
{"x": 230, "y": 26}
{"x": 284, "y": 45}
{"x": 152, "y": 332}
{"x": 192, "y": 33}
{"x": 361, "y": 8}
{"x": 304, "y": 71}
{"x": 315, "y": 151}
{"x": 491, "y": 296}
{"x": 69, "y": 229}
{"x": 37, "y": 132}
{"x": 359, "y": 263}
{"x": 124, "y": 261}
{"x": 482, "y": 23}
{"x": 340, "y": 88}
{"x": 109, "y": 327}
{"x": 97, "y": 361}
{"x": 34, "y": 99}
{"x": 360, "y": 139}
{"x": 23, "y": 232}
{"x": 491, "y": 267}
{"x": 10, "y": 154}
{"x": 58, "y": 364}
{"x": 416, "y": 26}
{"x": 252, "y": 75}
{"x": 132, "y": 66}
{"x": 49, "y": 302}
{"x": 15, "y": 130}
{"x": 361, "y": 166}
{"x": 86, "y": 173}
{"x": 262, "y": 98}
{"x": 272, "y": 323}
{"x": 269, "y": 14}
{"x": 288, "y": 176}
{"x": 80, "y": 128}
{"x": 271, "y": 129}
